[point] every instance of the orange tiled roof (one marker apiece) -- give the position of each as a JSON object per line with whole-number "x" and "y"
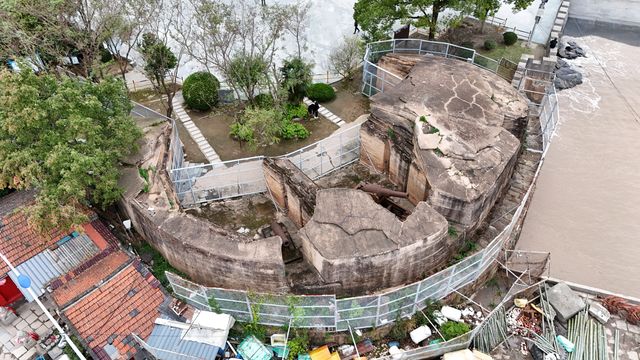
{"x": 127, "y": 303}
{"x": 68, "y": 288}
{"x": 19, "y": 241}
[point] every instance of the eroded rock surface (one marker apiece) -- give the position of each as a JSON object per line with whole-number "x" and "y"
{"x": 354, "y": 241}
{"x": 448, "y": 134}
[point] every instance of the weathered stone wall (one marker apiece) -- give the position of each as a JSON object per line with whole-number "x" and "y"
{"x": 211, "y": 256}
{"x": 208, "y": 254}
{"x": 447, "y": 134}
{"x": 353, "y": 241}
{"x": 292, "y": 190}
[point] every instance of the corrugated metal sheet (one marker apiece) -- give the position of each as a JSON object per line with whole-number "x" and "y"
{"x": 49, "y": 264}
{"x": 41, "y": 269}
{"x": 166, "y": 343}
{"x": 74, "y": 251}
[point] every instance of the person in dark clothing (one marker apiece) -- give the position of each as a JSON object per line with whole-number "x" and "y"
{"x": 313, "y": 109}
{"x": 356, "y": 29}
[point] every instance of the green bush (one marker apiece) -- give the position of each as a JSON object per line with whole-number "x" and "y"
{"x": 468, "y": 44}
{"x": 264, "y": 101}
{"x": 320, "y": 92}
{"x": 298, "y": 345}
{"x": 453, "y": 329}
{"x": 200, "y": 90}
{"x": 241, "y": 132}
{"x": 490, "y": 44}
{"x": 510, "y": 38}
{"x": 105, "y": 55}
{"x": 292, "y": 130}
{"x": 295, "y": 111}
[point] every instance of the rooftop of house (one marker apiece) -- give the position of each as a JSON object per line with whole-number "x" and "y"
{"x": 115, "y": 307}
{"x": 19, "y": 241}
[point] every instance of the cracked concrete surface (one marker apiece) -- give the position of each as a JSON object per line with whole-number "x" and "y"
{"x": 461, "y": 117}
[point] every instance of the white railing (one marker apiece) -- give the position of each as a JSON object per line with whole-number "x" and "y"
{"x": 208, "y": 182}
{"x": 377, "y": 79}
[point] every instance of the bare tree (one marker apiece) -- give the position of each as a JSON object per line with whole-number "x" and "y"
{"x": 162, "y": 57}
{"x": 299, "y": 24}
{"x": 345, "y": 58}
{"x": 136, "y": 17}
{"x": 235, "y": 39}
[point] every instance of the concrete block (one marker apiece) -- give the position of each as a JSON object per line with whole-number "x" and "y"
{"x": 599, "y": 312}
{"x": 29, "y": 355}
{"x": 565, "y": 301}
{"x": 22, "y": 325}
{"x": 31, "y": 318}
{"x": 19, "y": 351}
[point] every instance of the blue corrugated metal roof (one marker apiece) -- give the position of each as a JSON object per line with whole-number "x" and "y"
{"x": 41, "y": 269}
{"x": 76, "y": 250}
{"x": 49, "y": 265}
{"x": 167, "y": 345}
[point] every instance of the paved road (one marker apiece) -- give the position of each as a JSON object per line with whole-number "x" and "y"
{"x": 586, "y": 209}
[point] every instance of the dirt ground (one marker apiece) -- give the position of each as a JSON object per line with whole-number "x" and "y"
{"x": 469, "y": 31}
{"x": 250, "y": 212}
{"x": 586, "y": 206}
{"x": 349, "y": 103}
{"x": 215, "y": 126}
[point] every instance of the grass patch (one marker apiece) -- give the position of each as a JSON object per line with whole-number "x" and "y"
{"x": 159, "y": 266}
{"x": 513, "y": 52}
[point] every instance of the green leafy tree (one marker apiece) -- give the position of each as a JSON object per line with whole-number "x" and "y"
{"x": 247, "y": 73}
{"x": 63, "y": 138}
{"x": 482, "y": 9}
{"x": 159, "y": 63}
{"x": 296, "y": 76}
{"x": 376, "y": 17}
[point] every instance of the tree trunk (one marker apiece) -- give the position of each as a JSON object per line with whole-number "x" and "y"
{"x": 433, "y": 26}
{"x": 483, "y": 20}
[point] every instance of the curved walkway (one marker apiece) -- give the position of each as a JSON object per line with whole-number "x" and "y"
{"x": 193, "y": 130}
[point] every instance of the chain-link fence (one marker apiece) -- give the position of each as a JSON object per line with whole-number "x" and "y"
{"x": 377, "y": 79}
{"x": 198, "y": 184}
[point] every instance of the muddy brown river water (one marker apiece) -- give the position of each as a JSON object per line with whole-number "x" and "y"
{"x": 586, "y": 208}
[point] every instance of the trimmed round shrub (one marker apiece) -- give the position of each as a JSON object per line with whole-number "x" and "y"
{"x": 468, "y": 44}
{"x": 200, "y": 91}
{"x": 321, "y": 92}
{"x": 490, "y": 44}
{"x": 264, "y": 101}
{"x": 510, "y": 38}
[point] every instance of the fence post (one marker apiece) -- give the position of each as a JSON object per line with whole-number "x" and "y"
{"x": 249, "y": 306}
{"x": 340, "y": 149}
{"x": 394, "y": 45}
{"x": 321, "y": 158}
{"x": 238, "y": 177}
{"x": 327, "y": 76}
{"x": 193, "y": 195}
{"x": 378, "y": 312}
{"x": 446, "y": 51}
{"x": 415, "y": 299}
{"x": 383, "y": 80}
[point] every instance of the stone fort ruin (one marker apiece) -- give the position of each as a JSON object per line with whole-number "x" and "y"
{"x": 439, "y": 150}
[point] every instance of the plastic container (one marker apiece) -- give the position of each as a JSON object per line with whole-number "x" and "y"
{"x": 420, "y": 334}
{"x": 451, "y": 313}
